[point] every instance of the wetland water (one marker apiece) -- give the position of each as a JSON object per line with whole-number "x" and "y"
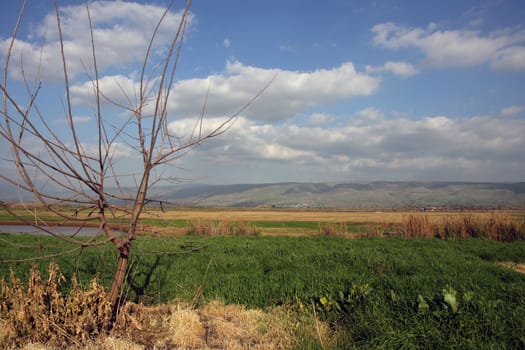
{"x": 62, "y": 230}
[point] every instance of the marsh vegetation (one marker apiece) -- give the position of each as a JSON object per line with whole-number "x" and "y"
{"x": 412, "y": 280}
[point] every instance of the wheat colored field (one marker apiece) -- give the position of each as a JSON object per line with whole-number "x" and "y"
{"x": 314, "y": 215}
{"x": 259, "y": 216}
{"x": 277, "y": 221}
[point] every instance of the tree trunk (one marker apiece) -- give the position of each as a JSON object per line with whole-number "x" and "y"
{"x": 120, "y": 274}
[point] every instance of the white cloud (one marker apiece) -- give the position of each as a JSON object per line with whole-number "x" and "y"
{"x": 403, "y": 69}
{"x": 226, "y": 43}
{"x": 290, "y": 93}
{"x": 320, "y": 118}
{"x": 512, "y": 110}
{"x": 117, "y": 88}
{"x": 77, "y": 120}
{"x": 287, "y": 48}
{"x": 370, "y": 146}
{"x": 455, "y": 48}
{"x": 121, "y": 33}
{"x": 370, "y": 114}
{"x": 512, "y": 58}
{"x": 245, "y": 140}
{"x": 115, "y": 150}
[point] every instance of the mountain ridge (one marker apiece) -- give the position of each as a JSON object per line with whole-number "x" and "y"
{"x": 351, "y": 194}
{"x": 375, "y": 194}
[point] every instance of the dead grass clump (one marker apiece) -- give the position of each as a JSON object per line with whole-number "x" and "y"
{"x": 215, "y": 326}
{"x": 242, "y": 229}
{"x": 495, "y": 227}
{"x": 174, "y": 326}
{"x": 454, "y": 227}
{"x": 142, "y": 325}
{"x": 223, "y": 227}
{"x": 382, "y": 230}
{"x": 32, "y": 346}
{"x": 102, "y": 343}
{"x": 40, "y": 317}
{"x": 503, "y": 228}
{"x": 205, "y": 227}
{"x": 417, "y": 226}
{"x": 113, "y": 343}
{"x": 514, "y": 266}
{"x": 40, "y": 313}
{"x": 333, "y": 229}
{"x": 234, "y": 327}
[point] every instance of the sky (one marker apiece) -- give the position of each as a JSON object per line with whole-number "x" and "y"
{"x": 361, "y": 90}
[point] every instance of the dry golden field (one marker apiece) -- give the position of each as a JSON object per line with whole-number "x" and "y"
{"x": 312, "y": 215}
{"x": 285, "y": 221}
{"x": 272, "y": 221}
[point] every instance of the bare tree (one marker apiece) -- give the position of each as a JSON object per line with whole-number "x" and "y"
{"x": 62, "y": 171}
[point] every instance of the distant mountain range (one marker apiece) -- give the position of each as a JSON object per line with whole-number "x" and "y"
{"x": 381, "y": 194}
{"x": 351, "y": 194}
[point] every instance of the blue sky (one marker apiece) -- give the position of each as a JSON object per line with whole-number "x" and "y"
{"x": 365, "y": 90}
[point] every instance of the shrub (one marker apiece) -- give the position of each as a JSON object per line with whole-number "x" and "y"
{"x": 502, "y": 228}
{"x": 224, "y": 227}
{"x": 40, "y": 313}
{"x": 243, "y": 229}
{"x": 417, "y": 226}
{"x": 496, "y": 227}
{"x": 332, "y": 229}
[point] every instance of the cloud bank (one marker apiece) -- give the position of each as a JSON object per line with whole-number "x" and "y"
{"x": 370, "y": 146}
{"x": 504, "y": 49}
{"x": 286, "y": 134}
{"x": 290, "y": 92}
{"x": 121, "y": 31}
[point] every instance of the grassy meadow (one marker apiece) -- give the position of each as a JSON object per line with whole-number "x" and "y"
{"x": 413, "y": 280}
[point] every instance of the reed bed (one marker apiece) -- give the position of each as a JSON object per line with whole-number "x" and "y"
{"x": 496, "y": 227}
{"x": 224, "y": 227}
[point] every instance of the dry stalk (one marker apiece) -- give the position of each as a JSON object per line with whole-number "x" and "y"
{"x": 41, "y": 313}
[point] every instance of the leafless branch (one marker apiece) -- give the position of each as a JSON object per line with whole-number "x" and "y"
{"x": 60, "y": 170}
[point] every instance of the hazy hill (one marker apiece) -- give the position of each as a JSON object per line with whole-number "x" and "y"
{"x": 349, "y": 194}
{"x": 341, "y": 194}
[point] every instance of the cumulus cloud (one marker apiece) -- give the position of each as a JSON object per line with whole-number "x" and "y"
{"x": 115, "y": 150}
{"x": 290, "y": 48}
{"x": 510, "y": 58}
{"x": 512, "y": 110}
{"x": 403, "y": 69}
{"x": 119, "y": 89}
{"x": 245, "y": 140}
{"x": 290, "y": 93}
{"x": 320, "y": 118}
{"x": 371, "y": 146}
{"x": 121, "y": 32}
{"x": 455, "y": 48}
{"x": 78, "y": 119}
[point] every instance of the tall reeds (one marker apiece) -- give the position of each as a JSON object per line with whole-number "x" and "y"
{"x": 224, "y": 227}
{"x": 496, "y": 227}
{"x": 333, "y": 229}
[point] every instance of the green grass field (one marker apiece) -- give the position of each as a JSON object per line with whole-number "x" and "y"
{"x": 381, "y": 293}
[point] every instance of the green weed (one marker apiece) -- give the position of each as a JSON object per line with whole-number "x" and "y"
{"x": 262, "y": 272}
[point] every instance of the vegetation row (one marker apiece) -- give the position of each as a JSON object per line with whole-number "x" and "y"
{"x": 373, "y": 293}
{"x": 494, "y": 227}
